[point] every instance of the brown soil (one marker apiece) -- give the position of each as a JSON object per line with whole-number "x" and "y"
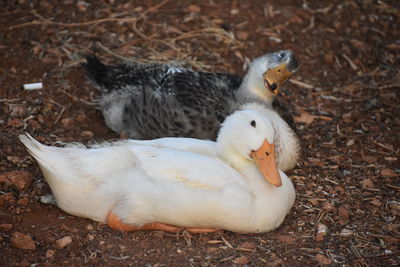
{"x": 345, "y": 98}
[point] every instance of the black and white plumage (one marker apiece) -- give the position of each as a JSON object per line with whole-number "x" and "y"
{"x": 147, "y": 101}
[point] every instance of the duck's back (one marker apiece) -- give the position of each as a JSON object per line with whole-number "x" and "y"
{"x": 155, "y": 100}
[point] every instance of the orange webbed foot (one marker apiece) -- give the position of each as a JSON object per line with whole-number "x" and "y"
{"x": 114, "y": 222}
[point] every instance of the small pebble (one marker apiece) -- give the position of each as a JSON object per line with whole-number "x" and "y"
{"x": 5, "y": 227}
{"x": 22, "y": 241}
{"x": 48, "y": 199}
{"x": 87, "y": 134}
{"x": 241, "y": 260}
{"x": 50, "y": 253}
{"x": 20, "y": 179}
{"x": 193, "y": 9}
{"x": 63, "y": 242}
{"x": 18, "y": 110}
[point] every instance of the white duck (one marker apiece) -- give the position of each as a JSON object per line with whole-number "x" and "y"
{"x": 134, "y": 186}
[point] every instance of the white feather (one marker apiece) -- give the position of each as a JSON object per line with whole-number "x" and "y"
{"x": 215, "y": 185}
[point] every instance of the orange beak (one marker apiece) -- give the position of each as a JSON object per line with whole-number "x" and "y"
{"x": 274, "y": 78}
{"x": 265, "y": 160}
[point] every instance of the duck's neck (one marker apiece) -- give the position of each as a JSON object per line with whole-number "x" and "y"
{"x": 287, "y": 146}
{"x": 246, "y": 167}
{"x": 253, "y": 88}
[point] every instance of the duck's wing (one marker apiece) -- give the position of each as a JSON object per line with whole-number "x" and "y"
{"x": 197, "y": 146}
{"x": 186, "y": 170}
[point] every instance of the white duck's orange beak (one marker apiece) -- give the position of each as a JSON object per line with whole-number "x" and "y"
{"x": 265, "y": 160}
{"x": 274, "y": 78}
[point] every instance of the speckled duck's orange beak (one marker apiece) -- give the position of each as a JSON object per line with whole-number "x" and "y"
{"x": 265, "y": 160}
{"x": 274, "y": 78}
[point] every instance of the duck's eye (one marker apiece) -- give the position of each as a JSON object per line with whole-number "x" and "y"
{"x": 278, "y": 70}
{"x": 267, "y": 153}
{"x": 253, "y": 123}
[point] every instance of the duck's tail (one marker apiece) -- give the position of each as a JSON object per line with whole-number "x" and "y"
{"x": 46, "y": 156}
{"x": 34, "y": 147}
{"x": 97, "y": 73}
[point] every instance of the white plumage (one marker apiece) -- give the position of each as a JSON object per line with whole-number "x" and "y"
{"x": 202, "y": 184}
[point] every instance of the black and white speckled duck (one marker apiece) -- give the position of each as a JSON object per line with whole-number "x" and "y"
{"x": 147, "y": 101}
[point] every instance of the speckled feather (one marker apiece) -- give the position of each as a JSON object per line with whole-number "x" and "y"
{"x": 152, "y": 100}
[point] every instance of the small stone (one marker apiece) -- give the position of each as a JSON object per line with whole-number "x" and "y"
{"x": 287, "y": 238}
{"x": 367, "y": 183}
{"x": 14, "y": 159}
{"x": 89, "y": 227}
{"x": 20, "y": 179}
{"x": 48, "y": 199}
{"x": 275, "y": 260}
{"x": 328, "y": 206}
{"x": 346, "y": 232}
{"x": 63, "y": 242}
{"x": 22, "y": 241}
{"x": 68, "y": 229}
{"x": 321, "y": 228}
{"x": 241, "y": 260}
{"x": 235, "y": 11}
{"x": 248, "y": 245}
{"x": 25, "y": 263}
{"x": 376, "y": 202}
{"x": 212, "y": 249}
{"x": 7, "y": 198}
{"x": 321, "y": 232}
{"x": 159, "y": 234}
{"x": 67, "y": 122}
{"x": 23, "y": 201}
{"x": 81, "y": 118}
{"x": 193, "y": 9}
{"x": 34, "y": 124}
{"x": 50, "y": 253}
{"x": 343, "y": 213}
{"x": 242, "y": 35}
{"x": 179, "y": 251}
{"x": 322, "y": 259}
{"x": 18, "y": 110}
{"x": 15, "y": 123}
{"x": 329, "y": 58}
{"x": 5, "y": 227}
{"x": 82, "y": 6}
{"x": 87, "y": 134}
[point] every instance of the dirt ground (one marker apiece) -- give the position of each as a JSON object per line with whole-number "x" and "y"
{"x": 344, "y": 98}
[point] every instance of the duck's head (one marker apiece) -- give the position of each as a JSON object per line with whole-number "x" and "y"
{"x": 248, "y": 136}
{"x": 269, "y": 72}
